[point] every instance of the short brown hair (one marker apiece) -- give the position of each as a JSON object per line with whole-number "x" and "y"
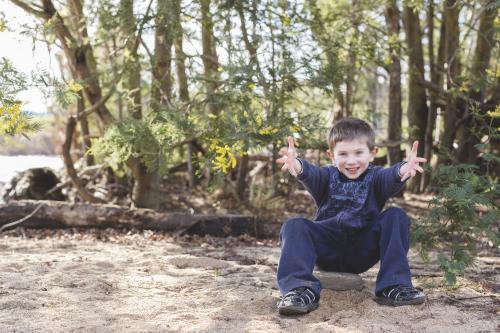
{"x": 348, "y": 129}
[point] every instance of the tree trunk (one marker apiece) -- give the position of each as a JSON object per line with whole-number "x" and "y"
{"x": 431, "y": 116}
{"x": 84, "y": 127}
{"x": 85, "y": 65}
{"x": 132, "y": 70}
{"x": 161, "y": 90}
{"x": 210, "y": 61}
{"x": 450, "y": 20}
{"x": 56, "y": 214}
{"x": 241, "y": 183}
{"x": 471, "y": 129}
{"x": 180, "y": 67}
{"x": 146, "y": 190}
{"x": 392, "y": 17}
{"x": 417, "y": 99}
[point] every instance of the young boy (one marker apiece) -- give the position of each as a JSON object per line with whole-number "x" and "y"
{"x": 350, "y": 233}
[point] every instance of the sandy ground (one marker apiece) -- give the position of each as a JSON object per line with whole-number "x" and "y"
{"x": 140, "y": 282}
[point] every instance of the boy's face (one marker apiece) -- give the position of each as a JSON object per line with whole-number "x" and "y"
{"x": 352, "y": 157}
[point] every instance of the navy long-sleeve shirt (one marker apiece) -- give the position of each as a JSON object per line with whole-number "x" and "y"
{"x": 354, "y": 203}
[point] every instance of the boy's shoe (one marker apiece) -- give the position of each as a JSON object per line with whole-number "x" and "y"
{"x": 300, "y": 300}
{"x": 400, "y": 295}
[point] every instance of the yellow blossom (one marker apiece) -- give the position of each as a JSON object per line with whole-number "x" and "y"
{"x": 494, "y": 114}
{"x": 74, "y": 86}
{"x": 268, "y": 130}
{"x": 286, "y": 20}
{"x": 12, "y": 120}
{"x": 225, "y": 159}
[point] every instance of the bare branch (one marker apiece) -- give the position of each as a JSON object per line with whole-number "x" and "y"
{"x": 11, "y": 224}
{"x": 91, "y": 109}
{"x": 31, "y": 10}
{"x": 68, "y": 162}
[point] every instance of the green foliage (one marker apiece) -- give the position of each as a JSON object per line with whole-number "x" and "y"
{"x": 149, "y": 139}
{"x": 464, "y": 211}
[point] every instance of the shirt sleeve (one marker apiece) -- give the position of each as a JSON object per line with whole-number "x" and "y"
{"x": 315, "y": 179}
{"x": 388, "y": 182}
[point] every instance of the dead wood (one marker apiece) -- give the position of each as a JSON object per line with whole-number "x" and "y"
{"x": 56, "y": 214}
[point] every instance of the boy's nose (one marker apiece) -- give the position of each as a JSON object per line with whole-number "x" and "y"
{"x": 351, "y": 161}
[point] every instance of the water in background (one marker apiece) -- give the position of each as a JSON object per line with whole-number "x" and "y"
{"x": 9, "y": 165}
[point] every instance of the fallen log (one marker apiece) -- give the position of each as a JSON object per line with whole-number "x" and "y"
{"x": 57, "y": 214}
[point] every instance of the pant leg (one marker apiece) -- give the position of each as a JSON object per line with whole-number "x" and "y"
{"x": 303, "y": 243}
{"x": 387, "y": 240}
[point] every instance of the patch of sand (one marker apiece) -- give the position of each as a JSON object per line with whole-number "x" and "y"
{"x": 87, "y": 285}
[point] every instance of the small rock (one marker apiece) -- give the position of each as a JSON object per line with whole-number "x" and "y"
{"x": 339, "y": 280}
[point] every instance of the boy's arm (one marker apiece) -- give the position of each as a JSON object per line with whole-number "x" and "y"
{"x": 390, "y": 181}
{"x": 315, "y": 179}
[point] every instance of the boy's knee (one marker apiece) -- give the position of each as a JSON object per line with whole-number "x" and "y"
{"x": 396, "y": 215}
{"x": 296, "y": 224}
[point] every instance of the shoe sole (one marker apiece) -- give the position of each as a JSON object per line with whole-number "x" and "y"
{"x": 298, "y": 310}
{"x": 390, "y": 302}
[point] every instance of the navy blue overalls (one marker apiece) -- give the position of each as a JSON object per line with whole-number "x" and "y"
{"x": 349, "y": 233}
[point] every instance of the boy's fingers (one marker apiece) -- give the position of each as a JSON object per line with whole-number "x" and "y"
{"x": 419, "y": 169}
{"x": 414, "y": 148}
{"x": 290, "y": 143}
{"x": 282, "y": 160}
{"x": 284, "y": 167}
{"x": 420, "y": 159}
{"x": 405, "y": 176}
{"x": 292, "y": 171}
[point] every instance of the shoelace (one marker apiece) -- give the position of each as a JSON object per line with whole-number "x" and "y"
{"x": 402, "y": 292}
{"x": 304, "y": 296}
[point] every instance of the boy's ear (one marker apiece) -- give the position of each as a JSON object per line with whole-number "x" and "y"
{"x": 329, "y": 154}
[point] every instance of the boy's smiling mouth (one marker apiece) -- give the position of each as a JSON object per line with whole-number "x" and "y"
{"x": 352, "y": 170}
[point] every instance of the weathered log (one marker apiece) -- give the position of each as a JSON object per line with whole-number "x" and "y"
{"x": 54, "y": 214}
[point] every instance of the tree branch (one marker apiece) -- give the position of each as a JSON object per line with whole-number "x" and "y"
{"x": 11, "y": 224}
{"x": 85, "y": 113}
{"x": 68, "y": 162}
{"x": 31, "y": 10}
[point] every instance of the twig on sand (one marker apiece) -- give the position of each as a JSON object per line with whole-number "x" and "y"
{"x": 11, "y": 224}
{"x": 463, "y": 300}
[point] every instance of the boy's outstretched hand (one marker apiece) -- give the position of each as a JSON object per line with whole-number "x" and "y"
{"x": 412, "y": 165}
{"x": 289, "y": 159}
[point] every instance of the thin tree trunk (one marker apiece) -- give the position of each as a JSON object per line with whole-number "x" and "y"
{"x": 85, "y": 63}
{"x": 161, "y": 90}
{"x": 450, "y": 20}
{"x": 431, "y": 116}
{"x": 180, "y": 59}
{"x": 210, "y": 60}
{"x": 392, "y": 17}
{"x": 85, "y": 133}
{"x": 132, "y": 71}
{"x": 417, "y": 99}
{"x": 471, "y": 129}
